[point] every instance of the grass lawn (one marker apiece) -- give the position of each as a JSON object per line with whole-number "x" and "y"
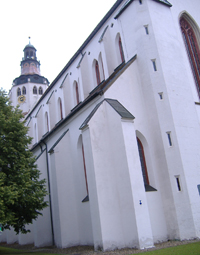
{"x": 11, "y": 251}
{"x": 186, "y": 249}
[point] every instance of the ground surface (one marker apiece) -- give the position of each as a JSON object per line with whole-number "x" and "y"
{"x": 83, "y": 250}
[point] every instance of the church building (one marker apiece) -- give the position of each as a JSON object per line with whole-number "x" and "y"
{"x": 117, "y": 132}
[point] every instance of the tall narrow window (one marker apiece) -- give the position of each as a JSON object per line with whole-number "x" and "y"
{"x": 146, "y": 29}
{"x": 97, "y": 73}
{"x": 86, "y": 183}
{"x": 18, "y": 92}
{"x": 121, "y": 50}
{"x": 40, "y": 91}
{"x": 46, "y": 123}
{"x": 169, "y": 138}
{"x": 193, "y": 50}
{"x": 143, "y": 162}
{"x": 178, "y": 183}
{"x": 77, "y": 93}
{"x": 35, "y": 90}
{"x": 60, "y": 108}
{"x": 154, "y": 65}
{"x": 24, "y": 91}
{"x": 160, "y": 95}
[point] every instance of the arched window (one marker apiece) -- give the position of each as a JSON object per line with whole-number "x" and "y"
{"x": 77, "y": 93}
{"x": 40, "y": 91}
{"x": 121, "y": 49}
{"x": 86, "y": 183}
{"x": 24, "y": 91}
{"x": 97, "y": 73}
{"x": 192, "y": 48}
{"x": 143, "y": 162}
{"x": 18, "y": 92}
{"x": 35, "y": 90}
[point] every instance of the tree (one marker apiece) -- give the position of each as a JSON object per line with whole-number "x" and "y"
{"x": 22, "y": 193}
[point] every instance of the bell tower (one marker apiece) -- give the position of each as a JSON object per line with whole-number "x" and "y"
{"x": 30, "y": 85}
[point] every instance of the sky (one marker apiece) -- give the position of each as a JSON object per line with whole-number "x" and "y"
{"x": 57, "y": 29}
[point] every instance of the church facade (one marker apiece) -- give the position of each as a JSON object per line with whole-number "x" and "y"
{"x": 117, "y": 133}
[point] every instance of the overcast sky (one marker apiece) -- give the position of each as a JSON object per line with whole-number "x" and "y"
{"x": 57, "y": 29}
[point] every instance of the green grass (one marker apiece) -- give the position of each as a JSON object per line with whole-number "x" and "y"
{"x": 186, "y": 249}
{"x": 11, "y": 251}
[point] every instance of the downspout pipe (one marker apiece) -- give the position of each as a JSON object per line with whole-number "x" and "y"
{"x": 49, "y": 187}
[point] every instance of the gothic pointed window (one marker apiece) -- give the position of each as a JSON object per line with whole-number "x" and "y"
{"x": 121, "y": 49}
{"x": 193, "y": 50}
{"x": 84, "y": 165}
{"x": 143, "y": 162}
{"x": 97, "y": 72}
{"x": 40, "y": 91}
{"x": 77, "y": 93}
{"x": 24, "y": 91}
{"x": 35, "y": 90}
{"x": 18, "y": 92}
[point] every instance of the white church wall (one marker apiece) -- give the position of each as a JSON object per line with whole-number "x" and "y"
{"x": 3, "y": 237}
{"x": 139, "y": 99}
{"x": 60, "y": 208}
{"x": 28, "y": 238}
{"x": 115, "y": 191}
{"x": 105, "y": 201}
{"x": 83, "y": 208}
{"x": 64, "y": 196}
{"x": 11, "y": 236}
{"x": 138, "y": 191}
{"x": 157, "y": 217}
{"x": 186, "y": 125}
{"x": 81, "y": 191}
{"x": 43, "y": 225}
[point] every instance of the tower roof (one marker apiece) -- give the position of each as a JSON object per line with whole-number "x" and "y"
{"x": 29, "y": 46}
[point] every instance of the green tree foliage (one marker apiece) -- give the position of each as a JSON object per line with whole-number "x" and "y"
{"x": 22, "y": 193}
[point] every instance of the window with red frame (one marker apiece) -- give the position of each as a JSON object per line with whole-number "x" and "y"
{"x": 143, "y": 162}
{"x": 193, "y": 50}
{"x": 97, "y": 73}
{"x": 60, "y": 105}
{"x": 86, "y": 183}
{"x": 121, "y": 50}
{"x": 77, "y": 93}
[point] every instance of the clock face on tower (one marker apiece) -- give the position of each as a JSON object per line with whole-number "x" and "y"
{"x": 21, "y": 99}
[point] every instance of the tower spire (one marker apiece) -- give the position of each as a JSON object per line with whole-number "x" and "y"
{"x": 29, "y": 63}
